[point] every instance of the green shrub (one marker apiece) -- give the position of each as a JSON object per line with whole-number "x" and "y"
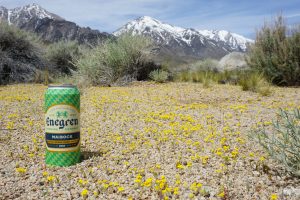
{"x": 205, "y": 65}
{"x": 183, "y": 76}
{"x": 113, "y": 60}
{"x": 205, "y": 71}
{"x": 207, "y": 78}
{"x": 196, "y": 77}
{"x": 42, "y": 76}
{"x": 282, "y": 142}
{"x": 20, "y": 55}
{"x": 276, "y": 53}
{"x": 62, "y": 55}
{"x": 255, "y": 82}
{"x": 159, "y": 76}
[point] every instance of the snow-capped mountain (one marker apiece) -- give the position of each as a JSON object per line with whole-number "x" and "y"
{"x": 50, "y": 27}
{"x": 172, "y": 41}
{"x": 22, "y": 15}
{"x": 235, "y": 41}
{"x": 186, "y": 42}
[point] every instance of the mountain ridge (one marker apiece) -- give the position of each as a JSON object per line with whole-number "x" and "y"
{"x": 186, "y": 42}
{"x": 50, "y": 27}
{"x": 172, "y": 41}
{"x": 140, "y": 25}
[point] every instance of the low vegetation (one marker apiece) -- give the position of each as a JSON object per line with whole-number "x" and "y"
{"x": 62, "y": 56}
{"x": 276, "y": 53}
{"x": 122, "y": 59}
{"x": 205, "y": 65}
{"x": 282, "y": 141}
{"x": 274, "y": 58}
{"x": 20, "y": 55}
{"x": 255, "y": 82}
{"x": 159, "y": 76}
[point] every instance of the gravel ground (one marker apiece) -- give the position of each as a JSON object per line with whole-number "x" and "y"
{"x": 147, "y": 141}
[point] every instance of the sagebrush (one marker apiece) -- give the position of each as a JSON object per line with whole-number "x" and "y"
{"x": 159, "y": 76}
{"x": 62, "y": 56}
{"x": 113, "y": 60}
{"x": 255, "y": 82}
{"x": 282, "y": 141}
{"x": 20, "y": 55}
{"x": 276, "y": 53}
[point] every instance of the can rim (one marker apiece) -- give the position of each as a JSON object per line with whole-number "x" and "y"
{"x": 62, "y": 86}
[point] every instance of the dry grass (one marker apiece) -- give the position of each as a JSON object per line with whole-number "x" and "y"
{"x": 147, "y": 141}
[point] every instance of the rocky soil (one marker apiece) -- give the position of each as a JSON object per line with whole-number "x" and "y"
{"x": 148, "y": 141}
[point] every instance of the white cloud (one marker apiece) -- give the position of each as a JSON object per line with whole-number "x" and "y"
{"x": 293, "y": 15}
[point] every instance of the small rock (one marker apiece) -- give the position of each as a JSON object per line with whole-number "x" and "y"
{"x": 291, "y": 192}
{"x": 209, "y": 191}
{"x": 255, "y": 173}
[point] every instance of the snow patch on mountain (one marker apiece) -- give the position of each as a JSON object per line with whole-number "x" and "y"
{"x": 147, "y": 23}
{"x": 234, "y": 40}
{"x": 163, "y": 32}
{"x": 25, "y": 13}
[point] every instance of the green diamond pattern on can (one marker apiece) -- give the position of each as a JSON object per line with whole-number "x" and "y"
{"x": 62, "y": 159}
{"x": 63, "y": 149}
{"x": 62, "y": 96}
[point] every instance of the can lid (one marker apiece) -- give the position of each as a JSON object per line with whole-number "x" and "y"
{"x": 62, "y": 86}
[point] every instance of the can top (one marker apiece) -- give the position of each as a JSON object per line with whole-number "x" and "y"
{"x": 62, "y": 86}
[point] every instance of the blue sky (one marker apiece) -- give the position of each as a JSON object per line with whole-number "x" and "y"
{"x": 239, "y": 16}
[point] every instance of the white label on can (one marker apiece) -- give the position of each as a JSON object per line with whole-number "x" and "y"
{"x": 62, "y": 127}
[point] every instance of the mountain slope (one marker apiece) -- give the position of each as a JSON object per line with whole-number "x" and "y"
{"x": 49, "y": 26}
{"x": 21, "y": 15}
{"x": 186, "y": 43}
{"x": 235, "y": 41}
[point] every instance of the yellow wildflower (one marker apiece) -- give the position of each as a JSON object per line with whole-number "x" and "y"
{"x": 96, "y": 193}
{"x": 50, "y": 178}
{"x": 226, "y": 148}
{"x": 195, "y": 186}
{"x": 222, "y": 194}
{"x": 82, "y": 182}
{"x": 273, "y": 197}
{"x": 21, "y": 170}
{"x": 105, "y": 186}
{"x": 138, "y": 179}
{"x": 267, "y": 123}
{"x": 84, "y": 193}
{"x": 148, "y": 182}
{"x": 179, "y": 166}
{"x": 45, "y": 174}
{"x": 234, "y": 153}
{"x": 176, "y": 191}
{"x": 10, "y": 125}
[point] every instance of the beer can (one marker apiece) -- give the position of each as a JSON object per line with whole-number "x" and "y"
{"x": 62, "y": 125}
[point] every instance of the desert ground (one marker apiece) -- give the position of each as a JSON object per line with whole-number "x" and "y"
{"x": 147, "y": 141}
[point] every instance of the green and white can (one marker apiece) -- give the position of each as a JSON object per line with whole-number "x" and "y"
{"x": 62, "y": 125}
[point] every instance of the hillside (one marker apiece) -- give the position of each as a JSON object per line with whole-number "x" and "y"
{"x": 50, "y": 27}
{"x": 186, "y": 43}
